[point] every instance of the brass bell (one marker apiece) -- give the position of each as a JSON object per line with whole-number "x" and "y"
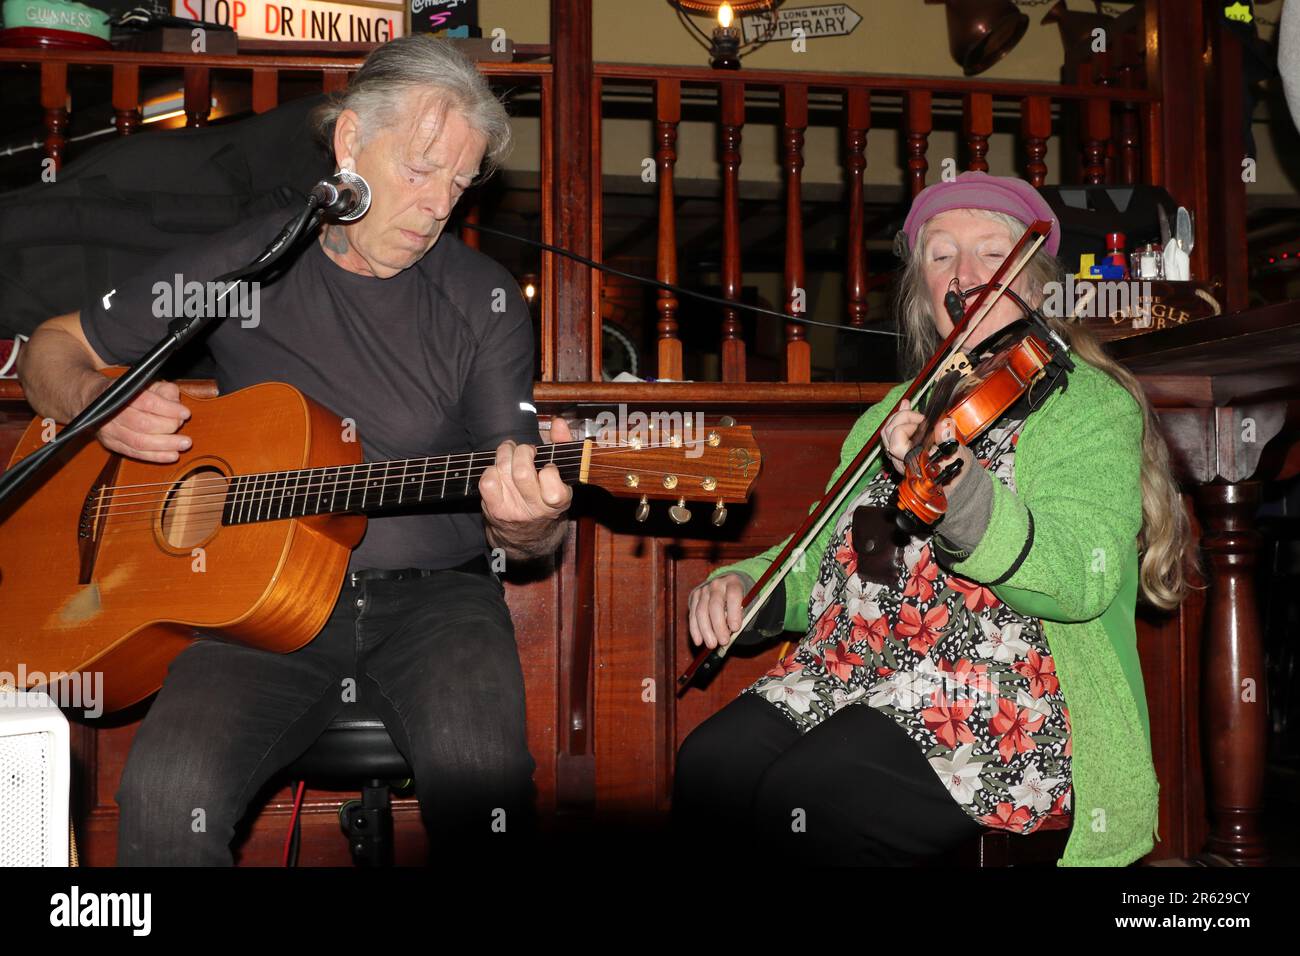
{"x": 679, "y": 512}
{"x": 643, "y": 508}
{"x": 719, "y": 514}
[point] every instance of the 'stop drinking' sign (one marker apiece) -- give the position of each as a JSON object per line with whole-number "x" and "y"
{"x": 322, "y": 21}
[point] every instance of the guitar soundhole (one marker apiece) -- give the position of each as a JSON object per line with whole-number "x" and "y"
{"x": 192, "y": 511}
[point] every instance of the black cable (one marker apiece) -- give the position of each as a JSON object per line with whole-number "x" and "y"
{"x": 716, "y": 300}
{"x": 691, "y": 24}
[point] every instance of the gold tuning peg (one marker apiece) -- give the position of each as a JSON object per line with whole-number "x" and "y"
{"x": 679, "y": 512}
{"x": 719, "y": 514}
{"x": 643, "y": 508}
{"x": 726, "y": 421}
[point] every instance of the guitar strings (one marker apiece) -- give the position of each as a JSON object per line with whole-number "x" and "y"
{"x": 455, "y": 457}
{"x": 190, "y": 510}
{"x": 111, "y": 505}
{"x": 573, "y": 447}
{"x": 319, "y": 490}
{"x": 359, "y": 474}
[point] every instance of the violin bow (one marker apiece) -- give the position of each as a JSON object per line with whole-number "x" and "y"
{"x": 709, "y": 659}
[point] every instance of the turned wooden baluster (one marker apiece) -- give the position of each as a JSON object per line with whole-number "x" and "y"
{"x": 668, "y": 113}
{"x": 1153, "y": 165}
{"x": 54, "y": 101}
{"x": 1130, "y": 131}
{"x": 1234, "y": 688}
{"x": 1098, "y": 71}
{"x": 1130, "y": 145}
{"x": 198, "y": 95}
{"x": 919, "y": 123}
{"x": 1096, "y": 138}
{"x": 266, "y": 89}
{"x": 794, "y": 112}
{"x": 126, "y": 98}
{"x": 857, "y": 117}
{"x": 1036, "y": 127}
{"x": 733, "y": 121}
{"x": 977, "y": 124}
{"x": 471, "y": 237}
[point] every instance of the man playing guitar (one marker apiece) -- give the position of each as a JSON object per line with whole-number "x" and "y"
{"x": 421, "y": 346}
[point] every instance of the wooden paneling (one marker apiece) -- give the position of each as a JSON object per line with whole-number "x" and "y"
{"x": 621, "y": 756}
{"x": 641, "y": 589}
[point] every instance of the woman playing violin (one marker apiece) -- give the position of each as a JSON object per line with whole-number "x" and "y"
{"x": 981, "y": 672}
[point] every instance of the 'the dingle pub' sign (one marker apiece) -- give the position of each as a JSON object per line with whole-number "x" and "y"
{"x": 318, "y": 21}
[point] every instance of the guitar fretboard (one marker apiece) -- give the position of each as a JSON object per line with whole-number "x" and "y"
{"x": 374, "y": 486}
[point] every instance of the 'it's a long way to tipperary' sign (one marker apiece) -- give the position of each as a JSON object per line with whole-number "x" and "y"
{"x": 831, "y": 20}
{"x": 323, "y": 21}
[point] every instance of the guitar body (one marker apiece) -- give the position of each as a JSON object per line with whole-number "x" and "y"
{"x": 127, "y": 597}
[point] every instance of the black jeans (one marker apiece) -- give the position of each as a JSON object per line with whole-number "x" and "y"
{"x": 854, "y": 790}
{"x": 434, "y": 657}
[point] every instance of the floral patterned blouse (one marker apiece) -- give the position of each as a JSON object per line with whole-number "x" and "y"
{"x": 969, "y": 679}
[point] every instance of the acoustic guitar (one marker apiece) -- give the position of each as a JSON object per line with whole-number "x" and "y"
{"x": 110, "y": 564}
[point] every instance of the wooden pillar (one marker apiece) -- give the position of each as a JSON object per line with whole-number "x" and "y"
{"x": 471, "y": 236}
{"x": 798, "y": 353}
{"x": 198, "y": 95}
{"x": 920, "y": 121}
{"x": 1234, "y": 687}
{"x": 1036, "y": 128}
{"x": 573, "y": 181}
{"x": 732, "y": 96}
{"x": 1096, "y": 139}
{"x": 668, "y": 113}
{"x": 1130, "y": 123}
{"x": 1175, "y": 38}
{"x": 857, "y": 117}
{"x": 977, "y": 124}
{"x": 266, "y": 89}
{"x": 1226, "y": 221}
{"x": 54, "y": 102}
{"x": 126, "y": 98}
{"x": 571, "y": 350}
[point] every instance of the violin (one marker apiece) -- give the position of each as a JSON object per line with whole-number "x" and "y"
{"x": 986, "y": 297}
{"x": 975, "y": 401}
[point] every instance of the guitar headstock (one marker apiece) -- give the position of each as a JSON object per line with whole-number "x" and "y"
{"x": 717, "y": 466}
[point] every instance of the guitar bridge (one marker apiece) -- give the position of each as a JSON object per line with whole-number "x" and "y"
{"x": 86, "y": 526}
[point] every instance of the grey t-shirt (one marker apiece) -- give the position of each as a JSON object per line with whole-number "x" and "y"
{"x": 436, "y": 360}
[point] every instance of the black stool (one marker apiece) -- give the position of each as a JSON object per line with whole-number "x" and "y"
{"x": 357, "y": 747}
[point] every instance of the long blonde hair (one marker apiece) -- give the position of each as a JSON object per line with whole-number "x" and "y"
{"x": 1165, "y": 548}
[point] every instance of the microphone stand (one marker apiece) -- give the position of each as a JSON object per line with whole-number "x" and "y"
{"x": 139, "y": 375}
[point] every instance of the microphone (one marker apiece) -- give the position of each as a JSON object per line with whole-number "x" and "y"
{"x": 343, "y": 197}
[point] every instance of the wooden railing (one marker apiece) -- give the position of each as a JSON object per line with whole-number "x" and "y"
{"x": 1115, "y": 131}
{"x": 1038, "y": 111}
{"x": 266, "y": 78}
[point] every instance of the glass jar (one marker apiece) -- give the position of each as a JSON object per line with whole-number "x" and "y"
{"x": 1147, "y": 262}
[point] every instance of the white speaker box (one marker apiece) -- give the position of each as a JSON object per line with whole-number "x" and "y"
{"x": 34, "y": 780}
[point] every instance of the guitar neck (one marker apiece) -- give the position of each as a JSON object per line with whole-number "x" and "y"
{"x": 374, "y": 486}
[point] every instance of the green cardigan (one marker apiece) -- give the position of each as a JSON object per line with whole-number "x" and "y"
{"x": 1077, "y": 471}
